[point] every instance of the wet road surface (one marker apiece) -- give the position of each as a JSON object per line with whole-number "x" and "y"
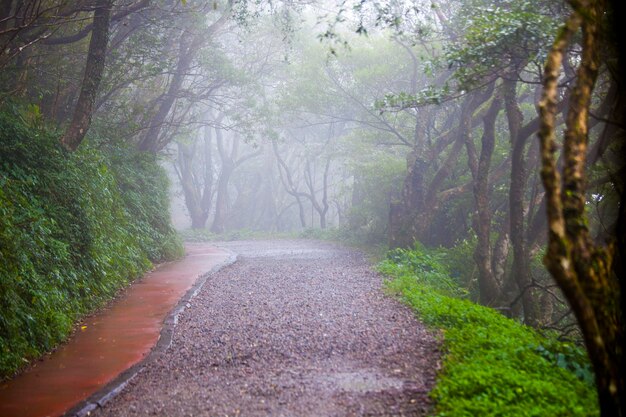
{"x": 293, "y": 328}
{"x": 107, "y": 343}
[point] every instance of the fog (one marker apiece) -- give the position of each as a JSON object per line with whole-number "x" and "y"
{"x": 279, "y": 120}
{"x": 386, "y": 121}
{"x": 380, "y": 122}
{"x": 480, "y": 141}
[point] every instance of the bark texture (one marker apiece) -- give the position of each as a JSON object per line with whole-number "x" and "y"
{"x": 479, "y": 166}
{"x": 521, "y": 259}
{"x": 93, "y": 75}
{"x": 582, "y": 268}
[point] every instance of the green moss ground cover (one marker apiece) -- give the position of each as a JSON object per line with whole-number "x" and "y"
{"x": 493, "y": 365}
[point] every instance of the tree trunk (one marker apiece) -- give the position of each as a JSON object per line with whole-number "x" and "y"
{"x": 401, "y": 212}
{"x": 521, "y": 261}
{"x": 189, "y": 45}
{"x": 320, "y": 208}
{"x": 188, "y": 48}
{"x": 266, "y": 195}
{"x": 410, "y": 217}
{"x": 221, "y": 200}
{"x": 94, "y": 69}
{"x": 198, "y": 192}
{"x": 288, "y": 183}
{"x": 582, "y": 269}
{"x": 488, "y": 285}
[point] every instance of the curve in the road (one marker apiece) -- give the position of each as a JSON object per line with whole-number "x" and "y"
{"x": 292, "y": 329}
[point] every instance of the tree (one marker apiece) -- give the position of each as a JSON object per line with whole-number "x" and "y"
{"x": 94, "y": 69}
{"x": 194, "y": 168}
{"x": 490, "y": 275}
{"x": 587, "y": 271}
{"x": 492, "y": 45}
{"x": 313, "y": 151}
{"x": 230, "y": 161}
{"x": 190, "y": 43}
{"x": 290, "y": 185}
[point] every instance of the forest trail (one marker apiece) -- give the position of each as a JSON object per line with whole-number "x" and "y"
{"x": 293, "y": 328}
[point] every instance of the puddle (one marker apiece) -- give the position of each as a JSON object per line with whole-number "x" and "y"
{"x": 360, "y": 381}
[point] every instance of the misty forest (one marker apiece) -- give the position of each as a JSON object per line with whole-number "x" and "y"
{"x": 462, "y": 159}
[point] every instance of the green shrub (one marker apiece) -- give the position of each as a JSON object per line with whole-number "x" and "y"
{"x": 493, "y": 366}
{"x": 425, "y": 265}
{"x": 378, "y": 176}
{"x": 459, "y": 260}
{"x": 71, "y": 233}
{"x": 143, "y": 185}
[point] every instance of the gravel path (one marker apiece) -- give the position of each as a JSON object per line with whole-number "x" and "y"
{"x": 293, "y": 328}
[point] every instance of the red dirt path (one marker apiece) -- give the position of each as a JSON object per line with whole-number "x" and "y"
{"x": 111, "y": 342}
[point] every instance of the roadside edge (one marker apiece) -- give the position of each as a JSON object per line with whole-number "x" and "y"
{"x": 117, "y": 385}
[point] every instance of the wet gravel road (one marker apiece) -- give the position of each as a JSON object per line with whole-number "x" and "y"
{"x": 293, "y": 328}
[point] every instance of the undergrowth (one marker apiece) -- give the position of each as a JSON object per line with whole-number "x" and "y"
{"x": 493, "y": 365}
{"x": 74, "y": 229}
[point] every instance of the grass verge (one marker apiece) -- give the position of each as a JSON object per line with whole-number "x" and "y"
{"x": 493, "y": 365}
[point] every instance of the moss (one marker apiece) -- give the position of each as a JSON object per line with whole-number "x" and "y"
{"x": 493, "y": 366}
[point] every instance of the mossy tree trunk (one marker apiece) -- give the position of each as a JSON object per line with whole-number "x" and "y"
{"x": 582, "y": 268}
